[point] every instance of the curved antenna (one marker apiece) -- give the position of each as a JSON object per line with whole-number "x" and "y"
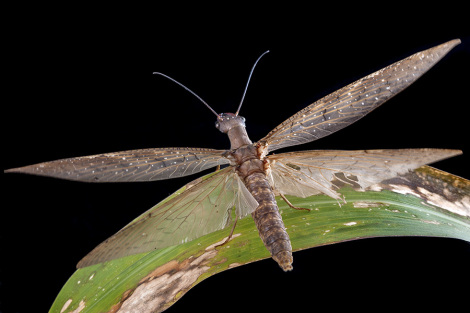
{"x": 173, "y": 80}
{"x": 249, "y": 77}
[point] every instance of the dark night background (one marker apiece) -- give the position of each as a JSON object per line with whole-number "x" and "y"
{"x": 81, "y": 83}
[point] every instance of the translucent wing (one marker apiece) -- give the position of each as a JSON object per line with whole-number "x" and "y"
{"x": 127, "y": 166}
{"x": 204, "y": 206}
{"x": 350, "y": 103}
{"x": 303, "y": 174}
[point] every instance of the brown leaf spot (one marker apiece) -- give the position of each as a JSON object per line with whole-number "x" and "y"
{"x": 232, "y": 265}
{"x": 166, "y": 284}
{"x": 66, "y": 305}
{"x": 173, "y": 265}
{"x": 81, "y": 306}
{"x": 434, "y": 187}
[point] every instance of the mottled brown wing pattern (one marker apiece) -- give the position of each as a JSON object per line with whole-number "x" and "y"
{"x": 307, "y": 173}
{"x": 130, "y": 166}
{"x": 348, "y": 104}
{"x": 203, "y": 207}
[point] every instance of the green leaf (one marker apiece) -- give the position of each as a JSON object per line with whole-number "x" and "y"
{"x": 426, "y": 202}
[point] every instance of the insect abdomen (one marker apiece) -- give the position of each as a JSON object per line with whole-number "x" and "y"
{"x": 269, "y": 222}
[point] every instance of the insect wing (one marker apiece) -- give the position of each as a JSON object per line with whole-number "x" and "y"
{"x": 307, "y": 173}
{"x": 245, "y": 203}
{"x": 203, "y": 207}
{"x": 348, "y": 104}
{"x": 130, "y": 166}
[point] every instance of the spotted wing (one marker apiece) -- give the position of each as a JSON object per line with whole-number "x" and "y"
{"x": 306, "y": 173}
{"x": 129, "y": 166}
{"x": 202, "y": 207}
{"x": 350, "y": 103}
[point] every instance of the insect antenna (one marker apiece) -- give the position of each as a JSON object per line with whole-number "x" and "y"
{"x": 175, "y": 81}
{"x": 248, "y": 82}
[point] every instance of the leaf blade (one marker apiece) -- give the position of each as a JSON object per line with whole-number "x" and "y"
{"x": 384, "y": 212}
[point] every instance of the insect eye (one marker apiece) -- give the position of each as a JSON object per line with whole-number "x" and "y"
{"x": 217, "y": 124}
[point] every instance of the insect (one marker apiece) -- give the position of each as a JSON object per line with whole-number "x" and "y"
{"x": 252, "y": 177}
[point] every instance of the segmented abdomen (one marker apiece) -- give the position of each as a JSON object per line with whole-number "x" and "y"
{"x": 269, "y": 222}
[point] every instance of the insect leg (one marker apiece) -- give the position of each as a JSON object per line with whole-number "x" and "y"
{"x": 229, "y": 236}
{"x": 291, "y": 205}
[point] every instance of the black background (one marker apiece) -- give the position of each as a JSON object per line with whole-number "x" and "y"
{"x": 79, "y": 82}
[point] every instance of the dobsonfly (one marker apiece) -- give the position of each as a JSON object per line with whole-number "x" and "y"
{"x": 254, "y": 177}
